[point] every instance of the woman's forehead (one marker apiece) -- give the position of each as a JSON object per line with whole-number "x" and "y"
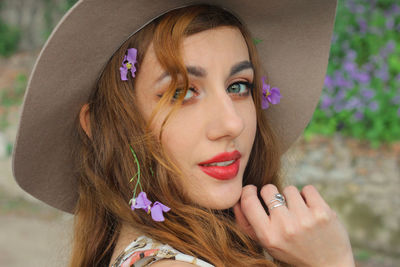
{"x": 223, "y": 46}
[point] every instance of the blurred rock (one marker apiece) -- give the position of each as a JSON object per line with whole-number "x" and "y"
{"x": 361, "y": 184}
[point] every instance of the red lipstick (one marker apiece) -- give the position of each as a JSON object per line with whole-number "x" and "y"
{"x": 222, "y": 172}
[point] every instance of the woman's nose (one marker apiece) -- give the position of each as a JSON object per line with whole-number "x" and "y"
{"x": 224, "y": 119}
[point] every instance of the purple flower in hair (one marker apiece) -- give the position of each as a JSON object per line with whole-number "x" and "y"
{"x": 141, "y": 202}
{"x": 271, "y": 95}
{"x": 157, "y": 211}
{"x": 128, "y": 64}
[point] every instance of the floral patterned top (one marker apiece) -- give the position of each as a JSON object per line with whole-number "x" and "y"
{"x": 144, "y": 251}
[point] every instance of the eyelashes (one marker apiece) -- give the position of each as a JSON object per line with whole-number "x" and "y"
{"x": 241, "y": 89}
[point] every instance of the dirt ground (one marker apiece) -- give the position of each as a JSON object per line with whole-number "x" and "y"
{"x": 33, "y": 234}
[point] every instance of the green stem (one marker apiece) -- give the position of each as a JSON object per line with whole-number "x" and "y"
{"x": 138, "y": 173}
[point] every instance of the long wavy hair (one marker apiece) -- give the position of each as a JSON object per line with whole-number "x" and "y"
{"x": 106, "y": 164}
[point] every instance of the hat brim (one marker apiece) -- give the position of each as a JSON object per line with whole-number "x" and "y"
{"x": 294, "y": 50}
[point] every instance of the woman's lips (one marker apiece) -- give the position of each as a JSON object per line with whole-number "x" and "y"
{"x": 222, "y": 172}
{"x": 225, "y": 156}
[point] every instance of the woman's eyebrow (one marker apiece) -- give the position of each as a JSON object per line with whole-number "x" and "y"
{"x": 198, "y": 71}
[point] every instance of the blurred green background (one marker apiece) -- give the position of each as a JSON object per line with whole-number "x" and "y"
{"x": 350, "y": 150}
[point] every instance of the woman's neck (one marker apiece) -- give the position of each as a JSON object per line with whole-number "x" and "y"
{"x": 126, "y": 236}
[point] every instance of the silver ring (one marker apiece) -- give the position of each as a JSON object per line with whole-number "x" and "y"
{"x": 277, "y": 198}
{"x": 277, "y": 205}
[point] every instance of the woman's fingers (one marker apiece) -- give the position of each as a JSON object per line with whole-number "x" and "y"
{"x": 295, "y": 202}
{"x": 312, "y": 197}
{"x": 305, "y": 232}
{"x": 276, "y": 209}
{"x": 318, "y": 207}
{"x": 254, "y": 211}
{"x": 243, "y": 222}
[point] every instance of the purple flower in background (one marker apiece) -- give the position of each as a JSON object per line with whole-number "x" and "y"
{"x": 363, "y": 25}
{"x": 271, "y": 95}
{"x": 350, "y": 66}
{"x": 338, "y": 106}
{"x": 383, "y": 73}
{"x": 157, "y": 211}
{"x": 390, "y": 24}
{"x": 326, "y": 102}
{"x": 373, "y": 106}
{"x": 329, "y": 82}
{"x": 368, "y": 67}
{"x": 334, "y": 38}
{"x": 340, "y": 81}
{"x": 353, "y": 103}
{"x": 358, "y": 116}
{"x": 128, "y": 64}
{"x": 340, "y": 95}
{"x": 141, "y": 202}
{"x": 360, "y": 9}
{"x": 396, "y": 100}
{"x": 351, "y": 54}
{"x": 395, "y": 9}
{"x": 362, "y": 77}
{"x": 389, "y": 48}
{"x": 367, "y": 93}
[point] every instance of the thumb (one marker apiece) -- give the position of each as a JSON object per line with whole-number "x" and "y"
{"x": 242, "y": 222}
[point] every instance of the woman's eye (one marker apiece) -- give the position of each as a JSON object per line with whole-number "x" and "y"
{"x": 188, "y": 96}
{"x": 241, "y": 88}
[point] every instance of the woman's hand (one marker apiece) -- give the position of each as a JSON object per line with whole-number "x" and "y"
{"x": 305, "y": 233}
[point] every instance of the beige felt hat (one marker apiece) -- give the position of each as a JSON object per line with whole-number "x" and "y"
{"x": 295, "y": 34}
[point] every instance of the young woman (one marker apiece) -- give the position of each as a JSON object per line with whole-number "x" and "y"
{"x": 174, "y": 161}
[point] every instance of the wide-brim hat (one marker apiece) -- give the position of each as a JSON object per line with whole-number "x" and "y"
{"x": 294, "y": 49}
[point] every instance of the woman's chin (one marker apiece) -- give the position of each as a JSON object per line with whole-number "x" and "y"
{"x": 222, "y": 201}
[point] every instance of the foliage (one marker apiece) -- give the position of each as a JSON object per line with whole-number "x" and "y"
{"x": 11, "y": 97}
{"x": 9, "y": 39}
{"x": 361, "y": 95}
{"x": 68, "y": 4}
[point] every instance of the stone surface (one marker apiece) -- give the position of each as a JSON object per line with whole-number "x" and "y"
{"x": 361, "y": 184}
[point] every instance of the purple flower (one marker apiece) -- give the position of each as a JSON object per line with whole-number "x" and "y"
{"x": 340, "y": 80}
{"x": 363, "y": 77}
{"x": 368, "y": 67}
{"x": 353, "y": 103}
{"x": 367, "y": 93}
{"x": 363, "y": 25}
{"x": 128, "y": 64}
{"x": 141, "y": 202}
{"x": 271, "y": 95}
{"x": 157, "y": 211}
{"x": 350, "y": 66}
{"x": 390, "y": 24}
{"x": 373, "y": 106}
{"x": 396, "y": 100}
{"x": 329, "y": 83}
{"x": 326, "y": 102}
{"x": 358, "y": 116}
{"x": 351, "y": 54}
{"x": 383, "y": 73}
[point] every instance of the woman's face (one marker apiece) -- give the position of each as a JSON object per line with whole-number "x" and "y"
{"x": 218, "y": 114}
